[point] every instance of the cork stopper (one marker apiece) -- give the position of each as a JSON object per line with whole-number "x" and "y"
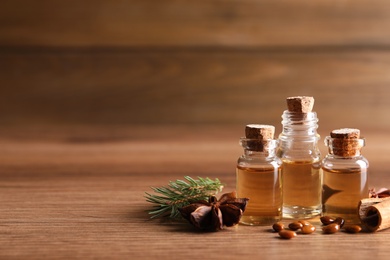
{"x": 260, "y": 132}
{"x": 300, "y": 104}
{"x": 258, "y": 135}
{"x": 345, "y": 142}
{"x": 346, "y": 133}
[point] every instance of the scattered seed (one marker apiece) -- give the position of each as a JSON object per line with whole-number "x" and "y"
{"x": 352, "y": 229}
{"x": 331, "y": 228}
{"x": 340, "y": 221}
{"x": 326, "y": 220}
{"x": 308, "y": 229}
{"x": 304, "y": 222}
{"x": 287, "y": 234}
{"x": 295, "y": 225}
{"x": 278, "y": 226}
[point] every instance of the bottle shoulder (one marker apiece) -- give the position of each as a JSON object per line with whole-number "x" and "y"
{"x": 337, "y": 162}
{"x": 310, "y": 154}
{"x": 258, "y": 162}
{"x": 294, "y": 148}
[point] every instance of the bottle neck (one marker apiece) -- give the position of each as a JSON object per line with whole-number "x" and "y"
{"x": 258, "y": 148}
{"x": 299, "y": 125}
{"x": 299, "y": 138}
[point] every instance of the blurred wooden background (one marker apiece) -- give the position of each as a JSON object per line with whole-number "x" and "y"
{"x": 193, "y": 62}
{"x": 99, "y": 100}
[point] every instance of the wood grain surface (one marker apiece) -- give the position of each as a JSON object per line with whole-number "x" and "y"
{"x": 235, "y": 23}
{"x": 78, "y": 192}
{"x": 187, "y": 87}
{"x": 193, "y": 62}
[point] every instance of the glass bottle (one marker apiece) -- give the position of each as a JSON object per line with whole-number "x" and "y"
{"x": 345, "y": 175}
{"x": 258, "y": 176}
{"x": 301, "y": 176}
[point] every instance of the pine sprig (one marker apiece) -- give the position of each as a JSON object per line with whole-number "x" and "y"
{"x": 181, "y": 193}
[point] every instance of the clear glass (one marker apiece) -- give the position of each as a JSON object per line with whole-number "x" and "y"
{"x": 345, "y": 181}
{"x": 301, "y": 164}
{"x": 258, "y": 178}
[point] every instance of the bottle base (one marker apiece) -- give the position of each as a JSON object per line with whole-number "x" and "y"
{"x": 259, "y": 220}
{"x": 300, "y": 212}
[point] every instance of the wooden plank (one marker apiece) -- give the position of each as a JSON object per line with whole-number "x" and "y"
{"x": 184, "y": 149}
{"x": 65, "y": 199}
{"x": 235, "y": 23}
{"x": 180, "y": 87}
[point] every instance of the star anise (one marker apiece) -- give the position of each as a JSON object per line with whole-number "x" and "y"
{"x": 381, "y": 193}
{"x": 215, "y": 214}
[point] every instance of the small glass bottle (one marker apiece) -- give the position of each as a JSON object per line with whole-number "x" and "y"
{"x": 345, "y": 175}
{"x": 258, "y": 176}
{"x": 298, "y": 150}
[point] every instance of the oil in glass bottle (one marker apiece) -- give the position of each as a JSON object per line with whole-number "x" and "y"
{"x": 258, "y": 176}
{"x": 345, "y": 175}
{"x": 298, "y": 150}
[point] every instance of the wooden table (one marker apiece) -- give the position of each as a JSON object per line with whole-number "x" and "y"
{"x": 78, "y": 192}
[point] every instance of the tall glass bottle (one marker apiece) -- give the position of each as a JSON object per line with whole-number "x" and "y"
{"x": 258, "y": 176}
{"x": 298, "y": 150}
{"x": 345, "y": 175}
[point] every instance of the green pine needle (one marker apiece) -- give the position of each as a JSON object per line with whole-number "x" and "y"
{"x": 179, "y": 194}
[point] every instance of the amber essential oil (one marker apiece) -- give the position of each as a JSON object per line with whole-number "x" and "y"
{"x": 302, "y": 184}
{"x": 298, "y": 150}
{"x": 258, "y": 176}
{"x": 343, "y": 189}
{"x": 345, "y": 174}
{"x": 263, "y": 188}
